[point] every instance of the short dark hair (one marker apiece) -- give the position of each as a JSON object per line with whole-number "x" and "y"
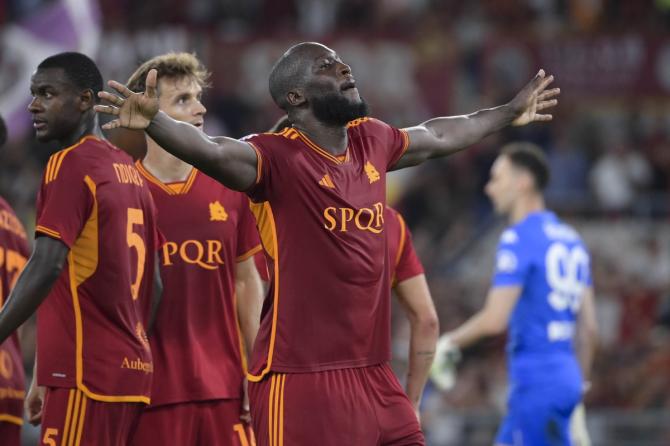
{"x": 3, "y": 132}
{"x": 80, "y": 70}
{"x": 288, "y": 73}
{"x": 529, "y": 157}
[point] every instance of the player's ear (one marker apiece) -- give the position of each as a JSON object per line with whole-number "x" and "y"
{"x": 526, "y": 181}
{"x": 295, "y": 98}
{"x": 86, "y": 100}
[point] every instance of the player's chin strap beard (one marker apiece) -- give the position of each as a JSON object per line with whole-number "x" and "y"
{"x": 336, "y": 110}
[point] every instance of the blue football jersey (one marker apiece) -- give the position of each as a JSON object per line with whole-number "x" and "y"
{"x": 548, "y": 259}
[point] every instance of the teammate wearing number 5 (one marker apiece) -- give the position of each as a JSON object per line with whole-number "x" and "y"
{"x": 542, "y": 290}
{"x": 92, "y": 272}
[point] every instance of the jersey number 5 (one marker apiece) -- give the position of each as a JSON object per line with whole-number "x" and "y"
{"x": 136, "y": 217}
{"x": 567, "y": 271}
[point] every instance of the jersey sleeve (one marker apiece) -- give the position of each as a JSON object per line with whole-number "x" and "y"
{"x": 65, "y": 200}
{"x": 394, "y": 141}
{"x": 408, "y": 264}
{"x": 512, "y": 262}
{"x": 258, "y": 192}
{"x": 248, "y": 241}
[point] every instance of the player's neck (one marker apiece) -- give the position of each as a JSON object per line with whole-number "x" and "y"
{"x": 87, "y": 126}
{"x": 332, "y": 139}
{"x": 163, "y": 165}
{"x": 525, "y": 207}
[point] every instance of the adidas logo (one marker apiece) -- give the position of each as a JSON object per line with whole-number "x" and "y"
{"x": 327, "y": 182}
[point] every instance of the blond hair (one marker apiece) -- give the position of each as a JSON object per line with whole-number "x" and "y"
{"x": 170, "y": 65}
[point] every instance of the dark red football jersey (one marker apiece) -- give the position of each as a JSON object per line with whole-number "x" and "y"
{"x": 196, "y": 343}
{"x": 262, "y": 266}
{"x": 14, "y": 254}
{"x": 322, "y": 224}
{"x": 403, "y": 259}
{"x": 90, "y": 329}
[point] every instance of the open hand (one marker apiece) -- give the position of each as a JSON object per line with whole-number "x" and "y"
{"x": 533, "y": 98}
{"x": 133, "y": 110}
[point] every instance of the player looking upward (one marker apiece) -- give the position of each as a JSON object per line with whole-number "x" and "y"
{"x": 14, "y": 253}
{"x": 542, "y": 291}
{"x": 410, "y": 287}
{"x": 319, "y": 372}
{"x": 91, "y": 272}
{"x": 210, "y": 280}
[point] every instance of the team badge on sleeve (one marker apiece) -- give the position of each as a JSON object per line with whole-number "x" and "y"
{"x": 509, "y": 237}
{"x": 506, "y": 261}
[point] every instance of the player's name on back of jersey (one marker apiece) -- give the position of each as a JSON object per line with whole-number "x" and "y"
{"x": 559, "y": 231}
{"x": 127, "y": 174}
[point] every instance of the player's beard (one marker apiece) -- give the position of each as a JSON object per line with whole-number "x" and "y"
{"x": 336, "y": 110}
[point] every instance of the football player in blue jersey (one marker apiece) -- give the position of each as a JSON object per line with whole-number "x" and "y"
{"x": 542, "y": 293}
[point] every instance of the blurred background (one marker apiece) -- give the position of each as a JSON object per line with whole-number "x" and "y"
{"x": 609, "y": 149}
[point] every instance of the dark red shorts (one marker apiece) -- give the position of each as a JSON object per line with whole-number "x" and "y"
{"x": 10, "y": 433}
{"x": 70, "y": 418}
{"x": 360, "y": 406}
{"x": 199, "y": 423}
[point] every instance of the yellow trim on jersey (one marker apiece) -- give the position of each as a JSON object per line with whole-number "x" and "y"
{"x": 326, "y": 181}
{"x": 82, "y": 264}
{"x": 322, "y": 152}
{"x": 251, "y": 252}
{"x": 401, "y": 244}
{"x": 264, "y": 226}
{"x": 176, "y": 188}
{"x": 150, "y": 177}
{"x": 68, "y": 416}
{"x": 240, "y": 338}
{"x": 82, "y": 417}
{"x": 405, "y": 145}
{"x": 47, "y": 231}
{"x": 357, "y": 122}
{"x": 189, "y": 181}
{"x": 276, "y": 410}
{"x": 268, "y": 219}
{"x": 7, "y": 418}
{"x": 259, "y": 162}
{"x": 56, "y": 160}
{"x": 50, "y": 168}
{"x": 401, "y": 247}
{"x": 281, "y": 411}
{"x": 71, "y": 429}
{"x": 271, "y": 411}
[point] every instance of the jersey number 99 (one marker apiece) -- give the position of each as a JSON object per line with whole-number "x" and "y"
{"x": 567, "y": 272}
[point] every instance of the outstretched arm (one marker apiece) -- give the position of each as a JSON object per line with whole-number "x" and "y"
{"x": 33, "y": 285}
{"x": 447, "y": 135}
{"x": 230, "y": 161}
